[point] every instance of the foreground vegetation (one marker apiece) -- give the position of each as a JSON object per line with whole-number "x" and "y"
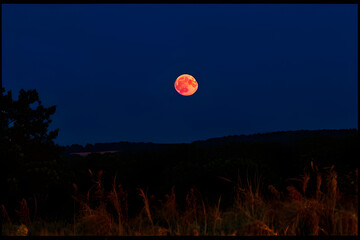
{"x": 256, "y": 210}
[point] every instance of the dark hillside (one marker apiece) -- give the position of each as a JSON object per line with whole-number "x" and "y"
{"x": 283, "y": 137}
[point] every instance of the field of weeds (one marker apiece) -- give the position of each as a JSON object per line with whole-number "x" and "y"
{"x": 298, "y": 210}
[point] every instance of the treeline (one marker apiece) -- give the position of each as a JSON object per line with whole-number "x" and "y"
{"x": 283, "y": 137}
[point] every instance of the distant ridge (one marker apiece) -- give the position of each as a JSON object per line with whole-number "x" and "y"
{"x": 102, "y": 148}
{"x": 283, "y": 137}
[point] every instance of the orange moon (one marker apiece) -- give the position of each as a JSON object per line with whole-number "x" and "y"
{"x": 186, "y": 85}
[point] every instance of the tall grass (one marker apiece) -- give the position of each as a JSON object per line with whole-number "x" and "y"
{"x": 257, "y": 210}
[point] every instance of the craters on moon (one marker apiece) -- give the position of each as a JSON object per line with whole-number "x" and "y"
{"x": 186, "y": 85}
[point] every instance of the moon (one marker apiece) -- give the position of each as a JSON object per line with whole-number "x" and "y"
{"x": 186, "y": 85}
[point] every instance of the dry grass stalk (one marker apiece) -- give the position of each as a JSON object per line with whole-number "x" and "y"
{"x": 251, "y": 204}
{"x": 332, "y": 184}
{"x": 146, "y": 205}
{"x": 94, "y": 218}
{"x": 318, "y": 185}
{"x": 253, "y": 188}
{"x": 205, "y": 217}
{"x": 309, "y": 219}
{"x": 191, "y": 207}
{"x": 332, "y": 190}
{"x": 294, "y": 194}
{"x": 274, "y": 191}
{"x": 305, "y": 180}
{"x": 356, "y": 187}
{"x": 169, "y": 211}
{"x": 217, "y": 215}
{"x": 5, "y": 216}
{"x": 194, "y": 214}
{"x": 119, "y": 202}
{"x": 23, "y": 213}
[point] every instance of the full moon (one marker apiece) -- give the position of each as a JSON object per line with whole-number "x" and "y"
{"x": 186, "y": 85}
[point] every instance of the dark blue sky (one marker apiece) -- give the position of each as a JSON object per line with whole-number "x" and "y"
{"x": 110, "y": 69}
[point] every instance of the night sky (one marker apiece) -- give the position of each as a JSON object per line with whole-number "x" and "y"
{"x": 110, "y": 69}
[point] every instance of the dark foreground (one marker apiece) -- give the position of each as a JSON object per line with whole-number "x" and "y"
{"x": 283, "y": 186}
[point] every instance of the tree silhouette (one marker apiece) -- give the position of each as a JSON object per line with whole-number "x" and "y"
{"x": 28, "y": 152}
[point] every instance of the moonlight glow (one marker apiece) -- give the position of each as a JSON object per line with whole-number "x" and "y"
{"x": 186, "y": 85}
